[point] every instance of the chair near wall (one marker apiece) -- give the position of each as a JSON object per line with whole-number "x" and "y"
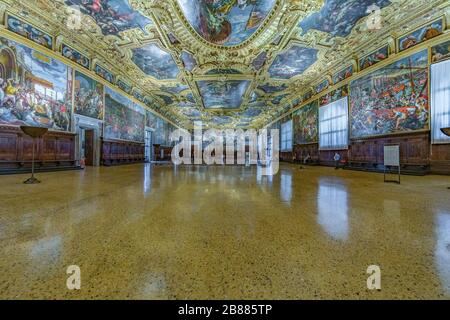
{"x": 34, "y": 133}
{"x": 446, "y": 131}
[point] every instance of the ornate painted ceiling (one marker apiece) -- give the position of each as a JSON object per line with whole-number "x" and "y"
{"x": 229, "y": 63}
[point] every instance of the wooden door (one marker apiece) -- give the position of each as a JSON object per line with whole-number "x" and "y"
{"x": 89, "y": 147}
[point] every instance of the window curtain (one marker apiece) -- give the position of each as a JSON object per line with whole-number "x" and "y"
{"x": 440, "y": 101}
{"x": 333, "y": 125}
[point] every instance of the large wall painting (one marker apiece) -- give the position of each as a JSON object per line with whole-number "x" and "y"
{"x": 31, "y": 33}
{"x": 373, "y": 58}
{"x": 305, "y": 121}
{"x": 223, "y": 94}
{"x": 226, "y": 22}
{"x": 150, "y": 119}
{"x": 88, "y": 96}
{"x": 112, "y": 16}
{"x": 75, "y": 56}
{"x": 35, "y": 89}
{"x": 392, "y": 99}
{"x": 339, "y": 17}
{"x": 293, "y": 62}
{"x": 423, "y": 34}
{"x": 156, "y": 62}
{"x": 124, "y": 119}
{"x": 440, "y": 52}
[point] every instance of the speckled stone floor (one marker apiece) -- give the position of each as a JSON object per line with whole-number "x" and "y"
{"x": 142, "y": 232}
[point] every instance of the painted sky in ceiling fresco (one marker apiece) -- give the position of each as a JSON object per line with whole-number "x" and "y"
{"x": 154, "y": 61}
{"x": 226, "y": 22}
{"x": 339, "y": 17}
{"x": 223, "y": 94}
{"x": 292, "y": 62}
{"x": 112, "y": 16}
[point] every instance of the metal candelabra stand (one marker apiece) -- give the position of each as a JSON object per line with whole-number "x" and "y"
{"x": 34, "y": 133}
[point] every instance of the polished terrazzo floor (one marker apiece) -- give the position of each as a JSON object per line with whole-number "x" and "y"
{"x": 142, "y": 232}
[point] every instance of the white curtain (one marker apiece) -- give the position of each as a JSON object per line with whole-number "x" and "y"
{"x": 440, "y": 101}
{"x": 286, "y": 136}
{"x": 333, "y": 125}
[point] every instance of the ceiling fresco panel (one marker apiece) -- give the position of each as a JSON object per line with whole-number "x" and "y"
{"x": 339, "y": 17}
{"x": 226, "y": 22}
{"x": 155, "y": 62}
{"x": 112, "y": 16}
{"x": 223, "y": 94}
{"x": 293, "y": 62}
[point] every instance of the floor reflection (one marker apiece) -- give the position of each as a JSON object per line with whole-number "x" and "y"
{"x": 286, "y": 186}
{"x": 442, "y": 250}
{"x": 332, "y": 205}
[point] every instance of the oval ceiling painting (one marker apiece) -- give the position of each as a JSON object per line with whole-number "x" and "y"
{"x": 226, "y": 22}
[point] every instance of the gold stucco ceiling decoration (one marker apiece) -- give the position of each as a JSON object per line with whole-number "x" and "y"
{"x": 245, "y": 64}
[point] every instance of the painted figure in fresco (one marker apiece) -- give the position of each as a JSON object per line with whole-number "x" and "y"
{"x": 373, "y": 58}
{"x": 112, "y": 16}
{"x": 421, "y": 35}
{"x": 440, "y": 52}
{"x": 226, "y": 22}
{"x": 339, "y": 17}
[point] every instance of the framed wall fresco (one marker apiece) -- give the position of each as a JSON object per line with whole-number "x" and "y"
{"x": 292, "y": 62}
{"x": 124, "y": 86}
{"x": 75, "y": 56}
{"x": 308, "y": 95}
{"x": 124, "y": 119}
{"x": 88, "y": 96}
{"x": 223, "y": 94}
{"x": 373, "y": 58}
{"x": 440, "y": 52}
{"x": 306, "y": 124}
{"x": 322, "y": 86}
{"x": 339, "y": 17}
{"x": 111, "y": 16}
{"x": 36, "y": 90}
{"x": 105, "y": 74}
{"x": 343, "y": 74}
{"x": 334, "y": 95}
{"x": 392, "y": 99}
{"x": 138, "y": 95}
{"x": 225, "y": 22}
{"x": 155, "y": 62}
{"x": 420, "y": 35}
{"x": 28, "y": 31}
{"x": 268, "y": 88}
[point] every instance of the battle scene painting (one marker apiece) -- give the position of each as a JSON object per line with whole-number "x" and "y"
{"x": 124, "y": 119}
{"x": 423, "y": 34}
{"x": 88, "y": 96}
{"x": 292, "y": 62}
{"x": 223, "y": 94}
{"x": 440, "y": 52}
{"x": 306, "y": 122}
{"x": 392, "y": 99}
{"x": 35, "y": 90}
{"x": 373, "y": 58}
{"x": 339, "y": 17}
{"x": 155, "y": 62}
{"x": 226, "y": 22}
{"x": 112, "y": 16}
